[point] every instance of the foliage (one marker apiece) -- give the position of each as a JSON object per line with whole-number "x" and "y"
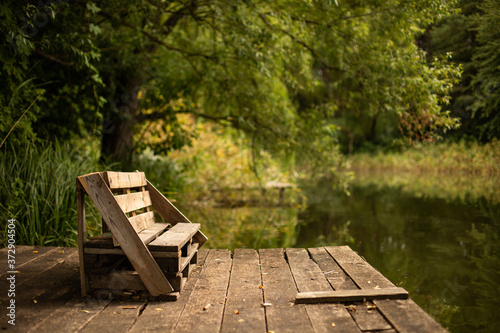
{"x": 41, "y": 195}
{"x": 471, "y": 35}
{"x": 448, "y": 157}
{"x": 280, "y": 72}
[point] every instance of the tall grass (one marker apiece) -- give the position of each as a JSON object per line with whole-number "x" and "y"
{"x": 39, "y": 191}
{"x": 453, "y": 157}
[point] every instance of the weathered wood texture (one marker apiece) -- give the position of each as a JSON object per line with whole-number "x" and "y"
{"x": 250, "y": 291}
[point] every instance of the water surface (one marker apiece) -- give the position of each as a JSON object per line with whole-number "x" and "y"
{"x": 436, "y": 236}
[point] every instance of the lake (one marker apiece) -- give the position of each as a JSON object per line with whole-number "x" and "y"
{"x": 437, "y": 236}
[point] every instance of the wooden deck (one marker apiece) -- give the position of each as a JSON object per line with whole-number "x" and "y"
{"x": 248, "y": 291}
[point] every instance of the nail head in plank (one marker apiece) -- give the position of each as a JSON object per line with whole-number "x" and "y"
{"x": 131, "y": 244}
{"x": 350, "y": 295}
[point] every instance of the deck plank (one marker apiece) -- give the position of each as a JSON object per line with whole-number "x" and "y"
{"x": 306, "y": 273}
{"x": 204, "y": 309}
{"x": 227, "y": 284}
{"x": 283, "y": 315}
{"x": 244, "y": 311}
{"x": 367, "y": 277}
{"x": 335, "y": 275}
{"x": 118, "y": 316}
{"x": 39, "y": 295}
{"x": 406, "y": 316}
{"x": 163, "y": 316}
{"x": 73, "y": 316}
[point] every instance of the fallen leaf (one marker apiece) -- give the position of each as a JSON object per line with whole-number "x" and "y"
{"x": 86, "y": 311}
{"x": 333, "y": 324}
{"x": 62, "y": 251}
{"x": 371, "y": 307}
{"x": 129, "y": 307}
{"x": 236, "y": 312}
{"x": 35, "y": 301}
{"x": 241, "y": 320}
{"x": 35, "y": 251}
{"x": 158, "y": 309}
{"x": 261, "y": 287}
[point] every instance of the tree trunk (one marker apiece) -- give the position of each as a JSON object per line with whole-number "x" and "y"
{"x": 117, "y": 143}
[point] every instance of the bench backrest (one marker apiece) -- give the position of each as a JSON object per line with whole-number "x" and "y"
{"x": 129, "y": 190}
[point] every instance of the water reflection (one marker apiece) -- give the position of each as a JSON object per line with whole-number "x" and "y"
{"x": 436, "y": 236}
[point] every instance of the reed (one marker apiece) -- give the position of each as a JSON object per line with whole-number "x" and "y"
{"x": 39, "y": 192}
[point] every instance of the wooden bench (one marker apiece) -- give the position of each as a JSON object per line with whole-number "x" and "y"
{"x": 134, "y": 252}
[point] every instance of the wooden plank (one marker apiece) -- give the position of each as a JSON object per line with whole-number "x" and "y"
{"x": 169, "y": 212}
{"x": 55, "y": 280}
{"x": 25, "y": 255}
{"x": 133, "y": 201}
{"x": 203, "y": 312}
{"x": 175, "y": 238}
{"x": 124, "y": 179}
{"x": 142, "y": 221}
{"x": 368, "y": 318}
{"x": 361, "y": 272}
{"x": 279, "y": 291}
{"x": 131, "y": 244}
{"x": 358, "y": 295}
{"x": 307, "y": 275}
{"x": 163, "y": 316}
{"x": 36, "y": 267}
{"x": 244, "y": 311}
{"x": 75, "y": 314}
{"x": 149, "y": 234}
{"x": 82, "y": 234}
{"x": 331, "y": 318}
{"x": 406, "y": 316}
{"x": 335, "y": 275}
{"x": 116, "y": 317}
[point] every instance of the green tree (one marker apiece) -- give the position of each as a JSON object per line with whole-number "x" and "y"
{"x": 280, "y": 72}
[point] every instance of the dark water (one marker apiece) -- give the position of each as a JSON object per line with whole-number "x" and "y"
{"x": 443, "y": 248}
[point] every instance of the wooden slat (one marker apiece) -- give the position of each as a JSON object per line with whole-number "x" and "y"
{"x": 369, "y": 318}
{"x": 335, "y": 275}
{"x": 406, "y": 316}
{"x": 209, "y": 293}
{"x": 350, "y": 295}
{"x": 124, "y": 179}
{"x": 134, "y": 248}
{"x": 331, "y": 318}
{"x": 117, "y": 317}
{"x": 279, "y": 291}
{"x": 175, "y": 238}
{"x": 306, "y": 273}
{"x": 169, "y": 212}
{"x": 133, "y": 201}
{"x": 244, "y": 312}
{"x": 149, "y": 234}
{"x": 82, "y": 234}
{"x": 47, "y": 281}
{"x": 163, "y": 316}
{"x": 72, "y": 316}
